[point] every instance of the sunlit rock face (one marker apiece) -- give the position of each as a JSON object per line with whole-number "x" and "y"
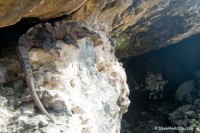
{"x": 12, "y": 11}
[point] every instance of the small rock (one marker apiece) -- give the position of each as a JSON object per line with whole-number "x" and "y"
{"x": 185, "y": 92}
{"x": 17, "y": 101}
{"x": 7, "y": 91}
{"x": 43, "y": 122}
{"x": 22, "y": 120}
{"x": 179, "y": 116}
{"x": 77, "y": 110}
{"x": 28, "y": 110}
{"x": 58, "y": 105}
{"x": 25, "y": 123}
{"x": 26, "y": 98}
{"x": 3, "y": 101}
{"x": 190, "y": 113}
{"x": 18, "y": 85}
{"x": 50, "y": 130}
{"x": 197, "y": 130}
{"x": 123, "y": 102}
{"x": 68, "y": 112}
{"x": 85, "y": 130}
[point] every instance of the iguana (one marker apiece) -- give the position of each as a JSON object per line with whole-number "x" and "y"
{"x": 44, "y": 36}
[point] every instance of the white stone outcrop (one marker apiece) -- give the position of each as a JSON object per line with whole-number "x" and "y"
{"x": 84, "y": 90}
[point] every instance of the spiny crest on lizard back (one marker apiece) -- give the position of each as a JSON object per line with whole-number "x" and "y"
{"x": 75, "y": 29}
{"x": 59, "y": 29}
{"x": 72, "y": 28}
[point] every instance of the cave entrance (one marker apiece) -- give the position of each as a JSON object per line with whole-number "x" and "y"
{"x": 154, "y": 78}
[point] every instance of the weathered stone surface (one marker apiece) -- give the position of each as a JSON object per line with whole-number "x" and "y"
{"x": 85, "y": 89}
{"x": 28, "y": 110}
{"x": 12, "y": 11}
{"x": 88, "y": 85}
{"x": 3, "y": 101}
{"x": 155, "y": 24}
{"x": 185, "y": 94}
{"x": 5, "y": 117}
{"x": 135, "y": 26}
{"x": 180, "y": 116}
{"x": 139, "y": 26}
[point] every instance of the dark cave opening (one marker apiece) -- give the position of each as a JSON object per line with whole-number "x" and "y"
{"x": 9, "y": 35}
{"x": 175, "y": 64}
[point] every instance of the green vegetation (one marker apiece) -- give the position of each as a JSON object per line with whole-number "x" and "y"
{"x": 122, "y": 41}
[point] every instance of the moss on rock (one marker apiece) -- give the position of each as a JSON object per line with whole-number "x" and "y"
{"x": 122, "y": 41}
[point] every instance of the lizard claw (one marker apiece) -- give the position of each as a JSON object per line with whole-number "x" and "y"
{"x": 69, "y": 40}
{"x": 58, "y": 50}
{"x": 48, "y": 48}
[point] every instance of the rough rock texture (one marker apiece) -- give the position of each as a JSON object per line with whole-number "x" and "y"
{"x": 186, "y": 116}
{"x": 186, "y": 92}
{"x": 155, "y": 84}
{"x": 12, "y": 11}
{"x": 85, "y": 89}
{"x": 135, "y": 26}
{"x": 151, "y": 24}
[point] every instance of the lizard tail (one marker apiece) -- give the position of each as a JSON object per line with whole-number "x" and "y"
{"x": 30, "y": 83}
{"x": 22, "y": 51}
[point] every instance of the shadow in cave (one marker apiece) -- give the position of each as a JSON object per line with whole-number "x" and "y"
{"x": 176, "y": 64}
{"x": 9, "y": 35}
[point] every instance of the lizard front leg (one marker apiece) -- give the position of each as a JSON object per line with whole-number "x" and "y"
{"x": 69, "y": 40}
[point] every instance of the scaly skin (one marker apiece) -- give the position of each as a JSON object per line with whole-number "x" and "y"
{"x": 45, "y": 36}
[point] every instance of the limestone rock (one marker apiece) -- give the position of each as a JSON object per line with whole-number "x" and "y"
{"x": 4, "y": 119}
{"x": 3, "y": 101}
{"x": 74, "y": 83}
{"x": 84, "y": 88}
{"x": 30, "y": 124}
{"x": 28, "y": 110}
{"x": 186, "y": 92}
{"x": 43, "y": 122}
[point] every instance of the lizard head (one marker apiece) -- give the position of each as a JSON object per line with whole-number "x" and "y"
{"x": 81, "y": 32}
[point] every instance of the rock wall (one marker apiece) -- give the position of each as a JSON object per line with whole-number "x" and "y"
{"x": 135, "y": 26}
{"x": 84, "y": 89}
{"x": 12, "y": 11}
{"x": 154, "y": 24}
{"x": 88, "y": 85}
